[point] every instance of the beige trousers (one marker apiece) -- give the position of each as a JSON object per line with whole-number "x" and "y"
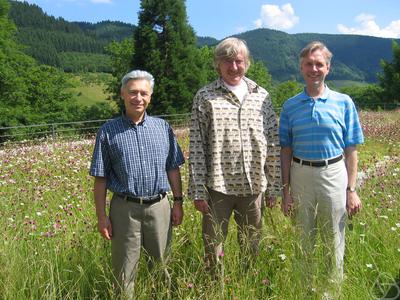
{"x": 248, "y": 216}
{"x": 137, "y": 226}
{"x": 319, "y": 194}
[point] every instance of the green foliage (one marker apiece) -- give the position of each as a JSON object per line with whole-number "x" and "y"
{"x": 165, "y": 46}
{"x": 121, "y": 55}
{"x": 366, "y": 97}
{"x": 259, "y": 73}
{"x": 283, "y": 91}
{"x": 390, "y": 79}
{"x": 84, "y": 62}
{"x": 30, "y": 93}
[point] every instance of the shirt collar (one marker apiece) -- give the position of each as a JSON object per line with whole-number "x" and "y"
{"x": 129, "y": 121}
{"x": 251, "y": 85}
{"x": 305, "y": 97}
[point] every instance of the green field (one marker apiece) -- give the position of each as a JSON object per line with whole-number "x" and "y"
{"x": 90, "y": 88}
{"x": 50, "y": 248}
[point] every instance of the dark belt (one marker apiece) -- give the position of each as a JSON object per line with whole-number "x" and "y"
{"x": 145, "y": 200}
{"x": 318, "y": 163}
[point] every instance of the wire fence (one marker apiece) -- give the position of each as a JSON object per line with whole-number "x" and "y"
{"x": 37, "y": 133}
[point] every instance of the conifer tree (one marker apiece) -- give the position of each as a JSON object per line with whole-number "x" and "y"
{"x": 165, "y": 46}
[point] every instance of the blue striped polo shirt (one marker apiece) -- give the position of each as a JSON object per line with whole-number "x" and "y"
{"x": 135, "y": 158}
{"x": 320, "y": 129}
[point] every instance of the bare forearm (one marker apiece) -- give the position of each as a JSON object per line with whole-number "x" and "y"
{"x": 174, "y": 178}
{"x": 286, "y": 159}
{"x": 351, "y": 165}
{"x": 100, "y": 192}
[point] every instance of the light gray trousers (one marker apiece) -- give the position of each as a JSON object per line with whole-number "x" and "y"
{"x": 319, "y": 194}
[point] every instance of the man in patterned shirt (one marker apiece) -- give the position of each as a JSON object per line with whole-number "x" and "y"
{"x": 137, "y": 158}
{"x": 234, "y": 153}
{"x": 318, "y": 127}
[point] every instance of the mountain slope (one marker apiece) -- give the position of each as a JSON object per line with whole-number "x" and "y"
{"x": 354, "y": 57}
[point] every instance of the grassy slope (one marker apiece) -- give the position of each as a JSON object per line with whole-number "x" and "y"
{"x": 90, "y": 88}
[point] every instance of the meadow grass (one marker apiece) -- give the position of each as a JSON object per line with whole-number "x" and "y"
{"x": 89, "y": 88}
{"x": 50, "y": 248}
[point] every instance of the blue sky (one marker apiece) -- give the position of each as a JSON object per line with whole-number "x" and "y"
{"x": 222, "y": 18}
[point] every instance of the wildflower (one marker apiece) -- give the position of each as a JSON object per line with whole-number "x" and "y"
{"x": 282, "y": 256}
{"x": 266, "y": 281}
{"x": 398, "y": 225}
{"x": 221, "y": 254}
{"x": 190, "y": 285}
{"x": 38, "y": 213}
{"x": 383, "y": 217}
{"x": 393, "y": 228}
{"x": 369, "y": 266}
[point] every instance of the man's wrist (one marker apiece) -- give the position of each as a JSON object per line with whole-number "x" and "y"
{"x": 178, "y": 199}
{"x": 351, "y": 189}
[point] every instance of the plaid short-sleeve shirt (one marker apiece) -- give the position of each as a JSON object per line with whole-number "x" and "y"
{"x": 135, "y": 158}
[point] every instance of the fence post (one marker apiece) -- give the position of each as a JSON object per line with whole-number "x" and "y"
{"x": 53, "y": 130}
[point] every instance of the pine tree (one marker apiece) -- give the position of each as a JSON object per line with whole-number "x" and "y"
{"x": 165, "y": 46}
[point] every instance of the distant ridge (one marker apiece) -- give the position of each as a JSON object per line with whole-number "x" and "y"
{"x": 72, "y": 45}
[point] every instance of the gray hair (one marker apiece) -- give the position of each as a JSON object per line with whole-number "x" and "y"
{"x": 313, "y": 46}
{"x": 229, "y": 48}
{"x": 138, "y": 74}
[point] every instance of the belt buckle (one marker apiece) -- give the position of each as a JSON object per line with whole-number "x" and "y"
{"x": 141, "y": 200}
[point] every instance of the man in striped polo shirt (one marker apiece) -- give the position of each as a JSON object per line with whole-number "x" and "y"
{"x": 136, "y": 157}
{"x": 318, "y": 128}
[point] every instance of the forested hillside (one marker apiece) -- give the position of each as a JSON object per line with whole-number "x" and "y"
{"x": 80, "y": 46}
{"x": 72, "y": 46}
{"x": 354, "y": 57}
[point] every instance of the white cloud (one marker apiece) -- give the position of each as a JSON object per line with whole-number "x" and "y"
{"x": 275, "y": 17}
{"x": 368, "y": 26}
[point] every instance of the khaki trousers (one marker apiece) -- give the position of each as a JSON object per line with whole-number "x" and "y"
{"x": 137, "y": 226}
{"x": 248, "y": 216}
{"x": 319, "y": 194}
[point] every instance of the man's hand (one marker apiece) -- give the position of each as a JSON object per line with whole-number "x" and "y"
{"x": 104, "y": 227}
{"x": 177, "y": 213}
{"x": 353, "y": 203}
{"x": 201, "y": 206}
{"x": 270, "y": 201}
{"x": 287, "y": 204}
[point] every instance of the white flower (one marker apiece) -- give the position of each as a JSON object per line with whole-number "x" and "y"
{"x": 383, "y": 217}
{"x": 398, "y": 225}
{"x": 282, "y": 256}
{"x": 369, "y": 266}
{"x": 38, "y": 213}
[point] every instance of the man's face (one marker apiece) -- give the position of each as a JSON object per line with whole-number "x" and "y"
{"x": 233, "y": 69}
{"x": 137, "y": 96}
{"x": 314, "y": 69}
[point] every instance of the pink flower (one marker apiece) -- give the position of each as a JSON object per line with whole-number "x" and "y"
{"x": 266, "y": 281}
